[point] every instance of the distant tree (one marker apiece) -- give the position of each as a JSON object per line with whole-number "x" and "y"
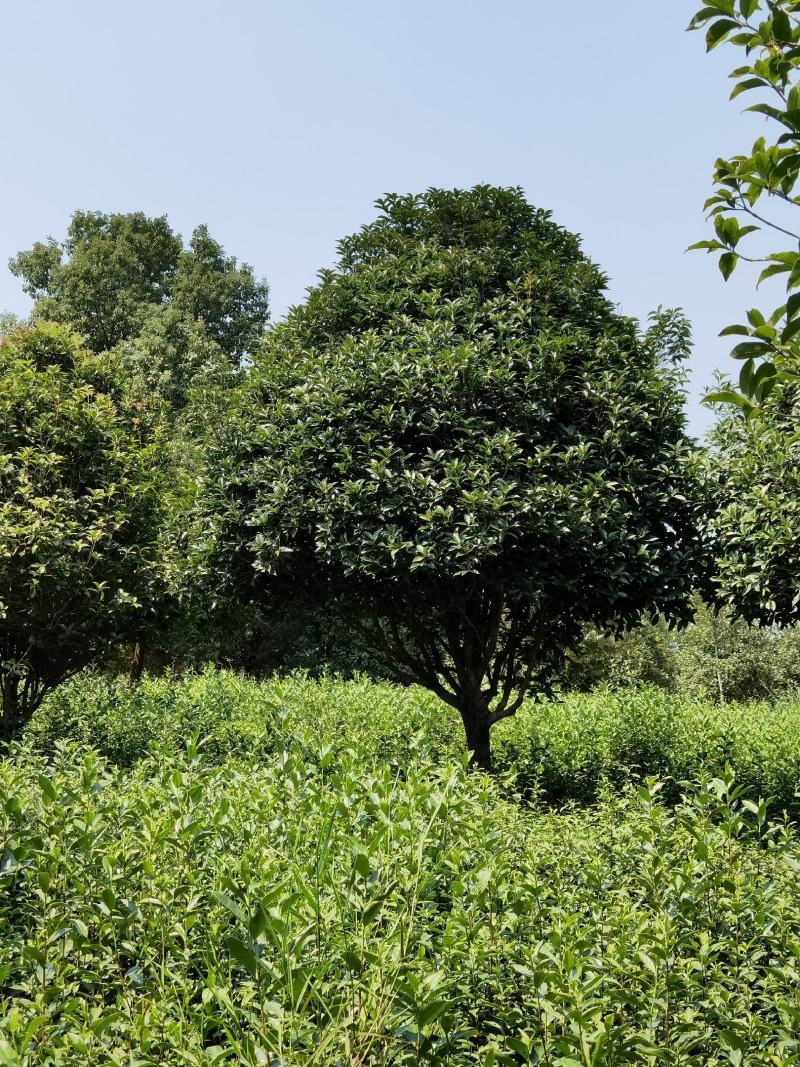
{"x": 718, "y": 657}
{"x": 8, "y": 320}
{"x": 722, "y": 658}
{"x": 211, "y": 288}
{"x": 172, "y": 324}
{"x": 80, "y": 513}
{"x": 458, "y": 443}
{"x": 112, "y": 270}
{"x": 759, "y": 187}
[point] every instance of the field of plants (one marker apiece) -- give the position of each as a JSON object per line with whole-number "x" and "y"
{"x": 305, "y": 872}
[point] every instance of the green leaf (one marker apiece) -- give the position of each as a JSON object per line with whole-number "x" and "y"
{"x": 746, "y": 376}
{"x": 765, "y": 374}
{"x": 727, "y": 264}
{"x": 361, "y": 864}
{"x": 243, "y": 954}
{"x": 709, "y": 246}
{"x": 717, "y": 32}
{"x": 791, "y": 330}
{"x": 769, "y": 272}
{"x": 230, "y": 905}
{"x": 746, "y": 85}
{"x": 748, "y": 349}
{"x": 727, "y": 396}
{"x": 781, "y": 26}
{"x": 372, "y": 910}
{"x": 258, "y": 922}
{"x": 703, "y": 15}
{"x": 430, "y": 1012}
{"x": 47, "y": 788}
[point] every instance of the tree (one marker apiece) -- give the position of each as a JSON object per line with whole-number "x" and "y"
{"x": 80, "y": 514}
{"x": 173, "y": 324}
{"x": 460, "y": 444}
{"x": 8, "y": 320}
{"x": 753, "y": 472}
{"x": 112, "y": 270}
{"x": 211, "y": 288}
{"x": 759, "y": 187}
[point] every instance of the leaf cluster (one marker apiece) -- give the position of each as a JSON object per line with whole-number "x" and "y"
{"x": 759, "y": 187}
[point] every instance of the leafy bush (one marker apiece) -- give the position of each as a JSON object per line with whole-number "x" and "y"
{"x": 717, "y": 657}
{"x": 325, "y": 910}
{"x": 562, "y": 750}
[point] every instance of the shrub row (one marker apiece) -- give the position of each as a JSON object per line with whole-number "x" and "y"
{"x": 562, "y": 750}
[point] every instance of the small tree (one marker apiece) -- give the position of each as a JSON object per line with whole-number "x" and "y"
{"x": 461, "y": 445}
{"x": 79, "y": 518}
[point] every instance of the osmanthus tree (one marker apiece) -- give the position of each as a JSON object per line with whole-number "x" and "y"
{"x": 756, "y": 191}
{"x": 459, "y": 444}
{"x": 80, "y": 515}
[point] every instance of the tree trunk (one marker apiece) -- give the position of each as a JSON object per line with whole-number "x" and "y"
{"x": 475, "y": 716}
{"x": 137, "y": 662}
{"x": 11, "y": 710}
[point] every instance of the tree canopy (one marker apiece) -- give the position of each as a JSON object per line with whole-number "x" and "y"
{"x": 113, "y": 269}
{"x": 461, "y": 444}
{"x": 80, "y": 510}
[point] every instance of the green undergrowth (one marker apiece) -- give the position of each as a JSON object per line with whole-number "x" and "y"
{"x": 565, "y": 750}
{"x": 319, "y": 908}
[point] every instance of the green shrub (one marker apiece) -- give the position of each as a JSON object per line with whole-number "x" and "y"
{"x": 561, "y": 750}
{"x": 322, "y": 910}
{"x": 717, "y": 657}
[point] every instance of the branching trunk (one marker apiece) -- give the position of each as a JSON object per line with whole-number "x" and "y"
{"x": 477, "y": 725}
{"x": 137, "y": 662}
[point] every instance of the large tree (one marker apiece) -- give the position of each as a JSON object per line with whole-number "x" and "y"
{"x": 113, "y": 270}
{"x": 173, "y": 324}
{"x": 458, "y": 443}
{"x": 80, "y": 518}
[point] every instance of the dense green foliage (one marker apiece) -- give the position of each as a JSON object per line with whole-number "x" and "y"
{"x": 755, "y": 527}
{"x": 458, "y": 443}
{"x": 113, "y": 271}
{"x": 171, "y": 326}
{"x": 759, "y": 186}
{"x": 80, "y": 512}
{"x": 567, "y": 749}
{"x": 457, "y": 467}
{"x": 319, "y": 903}
{"x": 718, "y": 657}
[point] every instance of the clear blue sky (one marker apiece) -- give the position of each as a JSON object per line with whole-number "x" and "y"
{"x": 279, "y": 123}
